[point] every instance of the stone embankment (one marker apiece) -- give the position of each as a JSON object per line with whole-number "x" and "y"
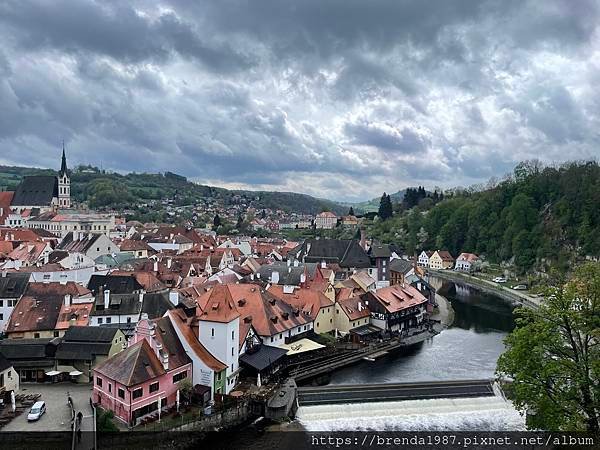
{"x": 516, "y": 298}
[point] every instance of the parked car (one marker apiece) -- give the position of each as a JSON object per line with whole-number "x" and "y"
{"x": 520, "y": 287}
{"x": 499, "y": 280}
{"x": 36, "y": 411}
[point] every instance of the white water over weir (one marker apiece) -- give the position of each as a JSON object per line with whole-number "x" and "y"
{"x": 474, "y": 413}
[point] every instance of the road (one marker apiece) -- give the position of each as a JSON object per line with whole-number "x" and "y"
{"x": 58, "y": 415}
{"x": 393, "y": 392}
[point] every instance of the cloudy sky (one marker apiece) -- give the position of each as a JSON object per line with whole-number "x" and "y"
{"x": 337, "y": 98}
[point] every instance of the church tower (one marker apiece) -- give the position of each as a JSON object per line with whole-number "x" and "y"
{"x": 64, "y": 183}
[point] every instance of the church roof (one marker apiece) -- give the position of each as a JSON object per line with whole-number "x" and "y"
{"x": 63, "y": 164}
{"x": 37, "y": 190}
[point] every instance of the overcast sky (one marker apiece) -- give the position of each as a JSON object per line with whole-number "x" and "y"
{"x": 336, "y": 98}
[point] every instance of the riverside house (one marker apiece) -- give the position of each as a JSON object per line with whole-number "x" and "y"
{"x": 441, "y": 259}
{"x": 396, "y": 308}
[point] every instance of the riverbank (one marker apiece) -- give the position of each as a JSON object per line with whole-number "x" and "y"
{"x": 444, "y": 312}
{"x": 509, "y": 295}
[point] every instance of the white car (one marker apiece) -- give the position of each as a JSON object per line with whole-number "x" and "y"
{"x": 499, "y": 280}
{"x": 36, "y": 411}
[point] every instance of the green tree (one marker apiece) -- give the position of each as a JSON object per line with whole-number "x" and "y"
{"x": 351, "y": 211}
{"x": 217, "y": 221}
{"x": 553, "y": 356}
{"x": 385, "y": 207}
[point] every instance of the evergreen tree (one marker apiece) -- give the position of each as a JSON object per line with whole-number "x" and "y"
{"x": 216, "y": 221}
{"x": 351, "y": 211}
{"x": 385, "y": 207}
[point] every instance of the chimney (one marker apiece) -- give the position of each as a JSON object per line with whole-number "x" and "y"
{"x": 4, "y": 274}
{"x": 169, "y": 262}
{"x": 302, "y": 278}
{"x": 275, "y": 277}
{"x": 360, "y": 306}
{"x": 106, "y": 299}
{"x": 174, "y": 297}
{"x": 155, "y": 266}
{"x": 68, "y": 300}
{"x": 289, "y": 262}
{"x": 323, "y": 264}
{"x": 296, "y": 263}
{"x": 363, "y": 239}
{"x": 141, "y": 297}
{"x": 165, "y": 360}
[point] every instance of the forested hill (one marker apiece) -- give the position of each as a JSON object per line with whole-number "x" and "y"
{"x": 101, "y": 189}
{"x": 538, "y": 217}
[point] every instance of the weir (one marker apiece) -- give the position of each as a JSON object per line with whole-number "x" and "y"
{"x": 471, "y": 413}
{"x": 363, "y": 393}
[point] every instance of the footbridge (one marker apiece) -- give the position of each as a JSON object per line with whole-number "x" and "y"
{"x": 336, "y": 394}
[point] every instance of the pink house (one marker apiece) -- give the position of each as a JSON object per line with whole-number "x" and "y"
{"x": 132, "y": 382}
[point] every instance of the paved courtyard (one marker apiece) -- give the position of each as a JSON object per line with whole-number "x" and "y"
{"x": 57, "y": 416}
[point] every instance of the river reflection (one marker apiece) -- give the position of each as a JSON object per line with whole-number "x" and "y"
{"x": 468, "y": 349}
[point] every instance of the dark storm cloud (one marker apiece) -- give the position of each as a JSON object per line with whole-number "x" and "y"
{"x": 385, "y": 137}
{"x": 337, "y": 98}
{"x": 112, "y": 29}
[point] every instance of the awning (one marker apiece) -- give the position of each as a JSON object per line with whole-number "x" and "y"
{"x": 52, "y": 373}
{"x": 366, "y": 330}
{"x": 66, "y": 369}
{"x": 263, "y": 358}
{"x": 75, "y": 373}
{"x": 301, "y": 346}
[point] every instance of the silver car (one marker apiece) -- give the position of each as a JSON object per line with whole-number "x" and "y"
{"x": 36, "y": 411}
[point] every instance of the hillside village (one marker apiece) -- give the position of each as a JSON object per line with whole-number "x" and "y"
{"x": 152, "y": 315}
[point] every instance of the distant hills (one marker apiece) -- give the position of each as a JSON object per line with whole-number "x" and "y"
{"x": 102, "y": 189}
{"x": 373, "y": 204}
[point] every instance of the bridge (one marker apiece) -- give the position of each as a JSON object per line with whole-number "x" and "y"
{"x": 326, "y": 395}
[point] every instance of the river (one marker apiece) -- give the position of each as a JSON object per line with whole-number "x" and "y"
{"x": 468, "y": 349}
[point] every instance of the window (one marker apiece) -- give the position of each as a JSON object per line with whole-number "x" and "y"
{"x": 55, "y": 334}
{"x": 121, "y": 393}
{"x": 219, "y": 376}
{"x": 138, "y": 393}
{"x": 109, "y": 387}
{"x": 36, "y": 335}
{"x": 154, "y": 387}
{"x": 232, "y": 335}
{"x": 98, "y": 249}
{"x": 100, "y": 320}
{"x": 232, "y": 349}
{"x": 299, "y": 329}
{"x": 317, "y": 324}
{"x": 180, "y": 376}
{"x": 212, "y": 332}
{"x": 108, "y": 320}
{"x": 271, "y": 338}
{"x": 129, "y": 320}
{"x": 1, "y": 303}
{"x": 99, "y": 381}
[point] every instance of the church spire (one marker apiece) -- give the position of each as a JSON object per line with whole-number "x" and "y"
{"x": 63, "y": 164}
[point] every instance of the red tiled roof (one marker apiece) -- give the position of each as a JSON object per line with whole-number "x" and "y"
{"x": 307, "y": 300}
{"x": 134, "y": 365}
{"x": 397, "y": 297}
{"x": 79, "y": 312}
{"x": 194, "y": 343}
{"x": 5, "y": 201}
{"x": 351, "y": 308}
{"x": 467, "y": 257}
{"x": 268, "y": 314}
{"x": 217, "y": 305}
{"x": 445, "y": 255}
